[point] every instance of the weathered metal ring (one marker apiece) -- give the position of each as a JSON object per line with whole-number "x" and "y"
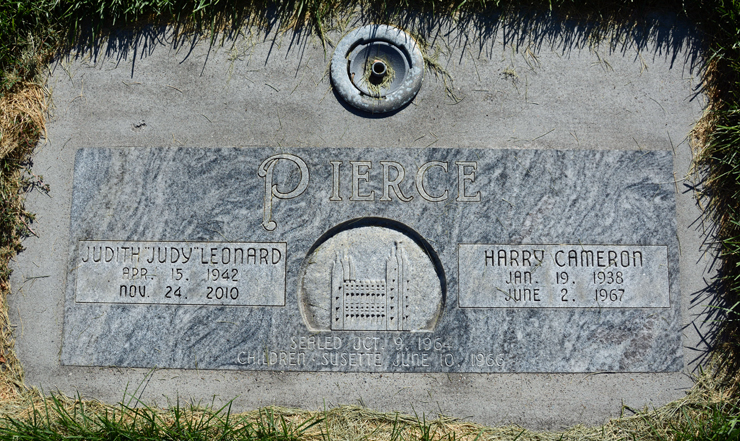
{"x": 377, "y": 68}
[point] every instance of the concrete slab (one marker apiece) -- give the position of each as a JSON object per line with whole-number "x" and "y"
{"x": 551, "y": 91}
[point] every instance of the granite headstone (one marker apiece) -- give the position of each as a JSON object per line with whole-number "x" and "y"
{"x": 377, "y": 260}
{"x": 519, "y": 244}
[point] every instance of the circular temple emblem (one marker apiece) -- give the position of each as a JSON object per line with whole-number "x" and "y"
{"x": 377, "y": 68}
{"x": 370, "y": 278}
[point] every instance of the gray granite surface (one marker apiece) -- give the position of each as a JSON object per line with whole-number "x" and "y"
{"x": 367, "y": 256}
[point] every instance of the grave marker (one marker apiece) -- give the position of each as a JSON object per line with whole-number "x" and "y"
{"x": 285, "y": 248}
{"x": 442, "y": 260}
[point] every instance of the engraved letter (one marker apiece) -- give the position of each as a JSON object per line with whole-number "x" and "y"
{"x": 265, "y": 171}
{"x": 420, "y": 181}
{"x": 572, "y": 258}
{"x": 335, "y": 196}
{"x": 600, "y": 258}
{"x": 612, "y": 257}
{"x": 186, "y": 257}
{"x": 463, "y": 177}
{"x": 388, "y": 184}
{"x": 624, "y": 258}
{"x": 635, "y": 254}
{"x": 239, "y": 358}
{"x": 489, "y": 256}
{"x": 100, "y": 257}
{"x": 357, "y": 177}
{"x": 557, "y": 258}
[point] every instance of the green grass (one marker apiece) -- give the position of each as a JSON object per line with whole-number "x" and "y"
{"x": 715, "y": 424}
{"x": 59, "y": 419}
{"x": 719, "y": 163}
{"x": 32, "y": 30}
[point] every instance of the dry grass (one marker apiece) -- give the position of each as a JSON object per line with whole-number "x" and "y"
{"x": 22, "y": 120}
{"x": 22, "y": 114}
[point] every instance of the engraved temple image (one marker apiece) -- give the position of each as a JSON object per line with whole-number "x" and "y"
{"x": 371, "y": 304}
{"x": 370, "y": 278}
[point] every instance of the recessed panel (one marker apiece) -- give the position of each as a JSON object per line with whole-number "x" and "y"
{"x": 563, "y": 276}
{"x": 180, "y": 273}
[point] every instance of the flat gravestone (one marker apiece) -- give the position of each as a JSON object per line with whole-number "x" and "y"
{"x": 373, "y": 260}
{"x": 519, "y": 244}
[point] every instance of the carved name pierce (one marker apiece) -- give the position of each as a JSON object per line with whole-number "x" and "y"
{"x": 363, "y": 187}
{"x": 265, "y": 171}
{"x": 392, "y": 178}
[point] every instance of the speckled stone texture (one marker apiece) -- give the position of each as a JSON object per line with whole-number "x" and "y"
{"x": 372, "y": 260}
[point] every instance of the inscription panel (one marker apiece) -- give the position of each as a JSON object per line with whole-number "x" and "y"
{"x": 373, "y": 260}
{"x": 563, "y": 276}
{"x": 181, "y": 273}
